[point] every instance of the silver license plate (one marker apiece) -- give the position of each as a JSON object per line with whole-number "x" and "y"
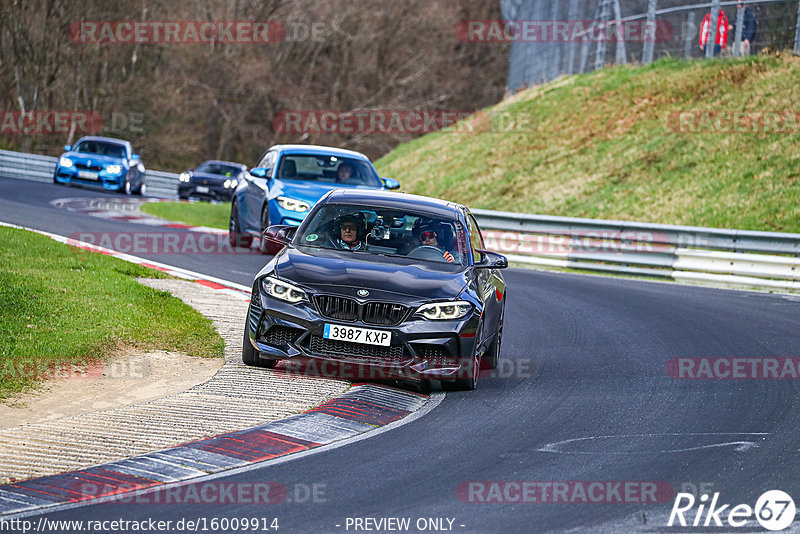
{"x": 202, "y": 189}
{"x": 357, "y": 335}
{"x": 87, "y": 175}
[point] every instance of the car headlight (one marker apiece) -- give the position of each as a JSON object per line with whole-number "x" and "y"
{"x": 282, "y": 290}
{"x": 184, "y": 177}
{"x": 114, "y": 169}
{"x": 292, "y": 204}
{"x": 65, "y": 162}
{"x": 230, "y": 184}
{"x": 445, "y": 310}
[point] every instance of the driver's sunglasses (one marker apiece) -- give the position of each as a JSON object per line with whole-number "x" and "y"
{"x": 349, "y": 227}
{"x": 427, "y": 236}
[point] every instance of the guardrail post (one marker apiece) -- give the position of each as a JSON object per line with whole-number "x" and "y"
{"x": 737, "y": 38}
{"x": 600, "y": 55}
{"x": 797, "y": 33}
{"x": 573, "y": 14}
{"x": 622, "y": 53}
{"x": 689, "y": 35}
{"x": 711, "y": 42}
{"x": 648, "y": 51}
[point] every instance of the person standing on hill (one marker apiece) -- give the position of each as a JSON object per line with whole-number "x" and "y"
{"x": 749, "y": 27}
{"x": 722, "y": 32}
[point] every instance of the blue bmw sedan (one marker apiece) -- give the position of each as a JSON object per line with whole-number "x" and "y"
{"x": 288, "y": 181}
{"x": 102, "y": 162}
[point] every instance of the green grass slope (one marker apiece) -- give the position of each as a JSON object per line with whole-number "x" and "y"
{"x": 602, "y": 145}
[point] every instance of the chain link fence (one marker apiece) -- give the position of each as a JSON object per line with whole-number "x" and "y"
{"x": 554, "y": 37}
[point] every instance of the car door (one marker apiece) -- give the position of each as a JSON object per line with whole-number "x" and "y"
{"x": 257, "y": 192}
{"x": 490, "y": 282}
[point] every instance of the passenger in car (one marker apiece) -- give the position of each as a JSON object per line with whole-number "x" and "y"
{"x": 428, "y": 236}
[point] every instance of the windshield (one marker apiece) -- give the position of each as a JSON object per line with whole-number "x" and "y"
{"x": 328, "y": 169}
{"x": 385, "y": 232}
{"x": 219, "y": 168}
{"x": 101, "y": 148}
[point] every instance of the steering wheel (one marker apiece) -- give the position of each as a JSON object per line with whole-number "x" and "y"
{"x": 426, "y": 252}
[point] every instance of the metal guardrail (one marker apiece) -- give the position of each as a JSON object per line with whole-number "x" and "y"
{"x": 686, "y": 253}
{"x": 41, "y": 168}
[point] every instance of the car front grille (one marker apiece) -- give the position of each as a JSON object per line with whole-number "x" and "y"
{"x": 84, "y": 167}
{"x": 374, "y": 313}
{"x": 432, "y": 352}
{"x": 377, "y": 354}
{"x": 281, "y": 335}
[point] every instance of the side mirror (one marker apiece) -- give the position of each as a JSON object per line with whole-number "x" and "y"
{"x": 67, "y": 148}
{"x": 259, "y": 172}
{"x": 281, "y": 234}
{"x": 388, "y": 183}
{"x": 135, "y": 156}
{"x": 491, "y": 260}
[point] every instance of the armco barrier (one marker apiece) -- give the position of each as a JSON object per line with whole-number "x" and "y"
{"x": 686, "y": 253}
{"x": 41, "y": 168}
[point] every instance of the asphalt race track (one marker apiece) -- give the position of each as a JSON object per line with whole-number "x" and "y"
{"x": 583, "y": 395}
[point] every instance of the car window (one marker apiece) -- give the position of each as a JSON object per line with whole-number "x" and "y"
{"x": 328, "y": 169}
{"x": 101, "y": 148}
{"x": 385, "y": 232}
{"x": 268, "y": 161}
{"x": 218, "y": 168}
{"x": 475, "y": 238}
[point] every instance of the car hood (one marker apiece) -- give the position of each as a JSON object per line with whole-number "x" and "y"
{"x": 345, "y": 272}
{"x": 309, "y": 191}
{"x": 96, "y": 159}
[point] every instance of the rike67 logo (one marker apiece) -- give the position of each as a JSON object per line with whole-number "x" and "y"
{"x": 774, "y": 510}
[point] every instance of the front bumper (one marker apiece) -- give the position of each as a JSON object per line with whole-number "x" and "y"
{"x": 420, "y": 348}
{"x": 105, "y": 179}
{"x": 212, "y": 192}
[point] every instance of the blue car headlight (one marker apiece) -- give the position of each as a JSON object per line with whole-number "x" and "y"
{"x": 65, "y": 162}
{"x": 292, "y": 204}
{"x": 114, "y": 169}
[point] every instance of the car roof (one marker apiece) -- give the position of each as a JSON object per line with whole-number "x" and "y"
{"x": 392, "y": 200}
{"x": 235, "y": 164}
{"x": 104, "y": 139}
{"x": 318, "y": 149}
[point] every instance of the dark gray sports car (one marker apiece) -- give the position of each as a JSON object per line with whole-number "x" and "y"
{"x": 380, "y": 285}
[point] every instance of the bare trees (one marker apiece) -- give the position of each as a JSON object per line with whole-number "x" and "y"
{"x": 217, "y": 99}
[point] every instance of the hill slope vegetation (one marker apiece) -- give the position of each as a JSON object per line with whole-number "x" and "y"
{"x": 672, "y": 142}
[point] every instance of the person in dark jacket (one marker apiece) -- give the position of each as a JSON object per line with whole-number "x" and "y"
{"x": 749, "y": 27}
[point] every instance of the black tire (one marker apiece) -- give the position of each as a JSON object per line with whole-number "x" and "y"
{"x": 142, "y": 191}
{"x": 235, "y": 236}
{"x": 492, "y": 356}
{"x": 250, "y": 355}
{"x": 125, "y": 188}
